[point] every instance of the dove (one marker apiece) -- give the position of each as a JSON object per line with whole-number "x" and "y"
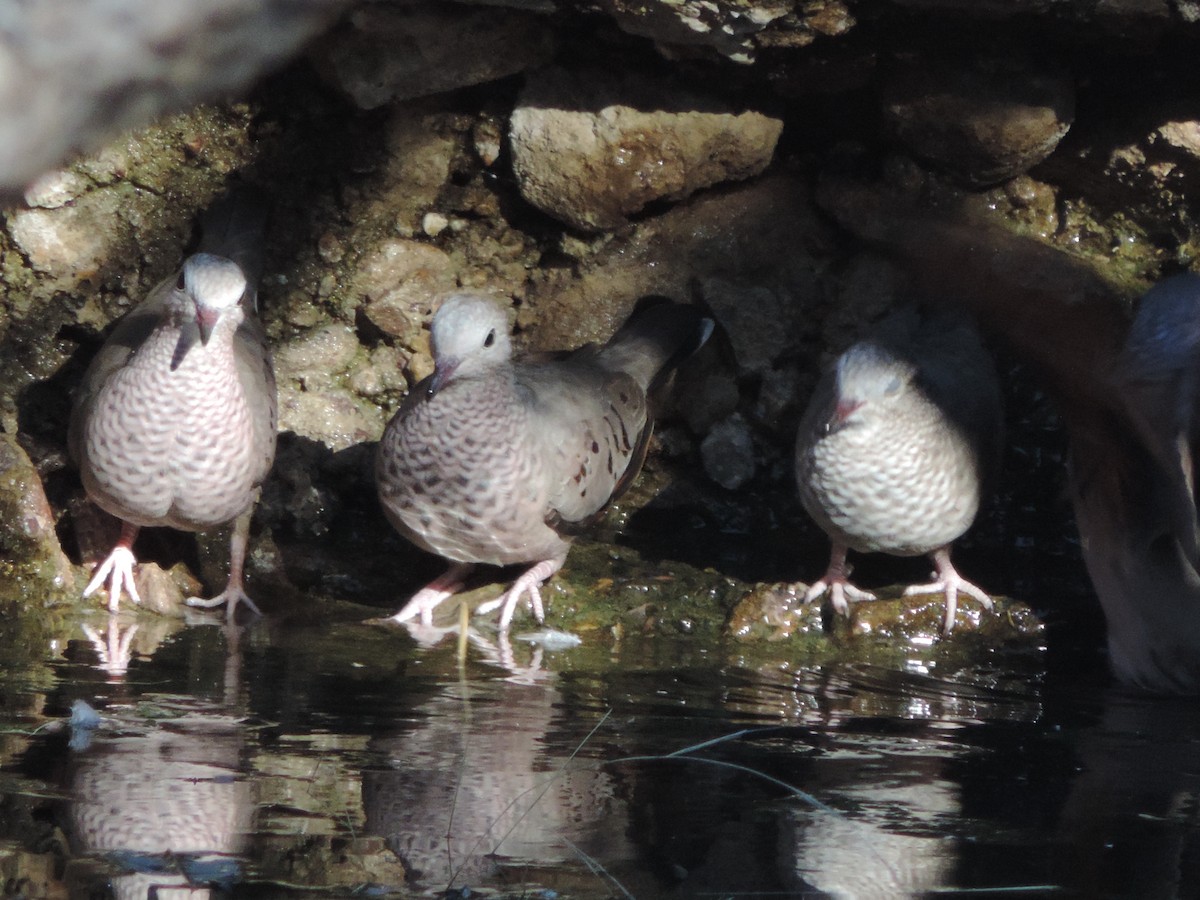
{"x": 175, "y": 421}
{"x": 894, "y": 447}
{"x": 502, "y": 461}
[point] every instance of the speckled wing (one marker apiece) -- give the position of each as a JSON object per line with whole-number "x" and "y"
{"x": 593, "y": 429}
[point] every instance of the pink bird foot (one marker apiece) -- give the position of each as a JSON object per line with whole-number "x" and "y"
{"x": 528, "y": 583}
{"x": 835, "y": 580}
{"x": 948, "y": 581}
{"x": 424, "y": 601}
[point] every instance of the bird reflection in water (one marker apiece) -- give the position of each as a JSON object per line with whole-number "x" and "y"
{"x": 166, "y": 803}
{"x": 476, "y": 784}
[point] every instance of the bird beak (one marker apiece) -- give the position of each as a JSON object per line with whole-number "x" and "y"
{"x": 206, "y": 319}
{"x": 443, "y": 371}
{"x": 843, "y": 411}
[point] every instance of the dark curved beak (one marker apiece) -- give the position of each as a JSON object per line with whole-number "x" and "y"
{"x": 206, "y": 319}
{"x": 442, "y": 373}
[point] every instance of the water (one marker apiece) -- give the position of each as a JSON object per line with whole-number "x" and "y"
{"x": 342, "y": 759}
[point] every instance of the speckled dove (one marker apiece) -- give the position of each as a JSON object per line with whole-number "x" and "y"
{"x": 174, "y": 423}
{"x": 501, "y": 462}
{"x": 893, "y": 448}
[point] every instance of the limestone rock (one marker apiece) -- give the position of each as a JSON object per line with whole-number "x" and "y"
{"x": 398, "y": 282}
{"x": 31, "y": 559}
{"x": 591, "y": 148}
{"x": 985, "y": 121}
{"x": 70, "y": 243}
{"x": 390, "y": 53}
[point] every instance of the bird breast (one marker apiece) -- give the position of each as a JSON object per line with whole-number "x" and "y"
{"x": 904, "y": 486}
{"x": 459, "y": 477}
{"x": 174, "y": 447}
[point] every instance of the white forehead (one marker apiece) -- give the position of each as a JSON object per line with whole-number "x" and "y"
{"x": 213, "y": 281}
{"x": 463, "y": 322}
{"x": 868, "y": 367}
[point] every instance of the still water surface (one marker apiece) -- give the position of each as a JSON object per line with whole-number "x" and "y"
{"x": 350, "y": 760}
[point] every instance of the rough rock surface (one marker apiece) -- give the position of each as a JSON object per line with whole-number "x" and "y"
{"x": 388, "y": 53}
{"x": 986, "y": 120}
{"x": 32, "y": 560}
{"x": 592, "y": 149}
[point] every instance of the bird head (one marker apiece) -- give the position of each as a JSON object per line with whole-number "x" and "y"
{"x": 214, "y": 285}
{"x": 869, "y": 376}
{"x": 469, "y": 337}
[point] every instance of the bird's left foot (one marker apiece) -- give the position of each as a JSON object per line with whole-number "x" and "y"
{"x": 529, "y": 583}
{"x": 951, "y": 583}
{"x": 231, "y": 597}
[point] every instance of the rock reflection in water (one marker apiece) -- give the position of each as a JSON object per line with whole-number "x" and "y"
{"x": 474, "y": 782}
{"x": 166, "y": 803}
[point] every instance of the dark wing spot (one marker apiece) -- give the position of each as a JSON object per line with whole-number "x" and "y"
{"x": 595, "y": 447}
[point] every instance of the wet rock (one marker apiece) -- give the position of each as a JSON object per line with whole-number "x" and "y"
{"x": 591, "y": 148}
{"x": 165, "y": 591}
{"x": 984, "y": 120}
{"x": 388, "y": 53}
{"x": 733, "y": 29}
{"x": 31, "y": 560}
{"x": 313, "y": 399}
{"x": 728, "y": 453}
{"x": 54, "y": 189}
{"x": 72, "y": 243}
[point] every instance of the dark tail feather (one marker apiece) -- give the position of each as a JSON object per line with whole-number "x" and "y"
{"x": 657, "y": 337}
{"x": 234, "y": 226}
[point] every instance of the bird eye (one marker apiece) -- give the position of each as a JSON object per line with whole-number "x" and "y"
{"x": 180, "y": 284}
{"x": 490, "y": 339}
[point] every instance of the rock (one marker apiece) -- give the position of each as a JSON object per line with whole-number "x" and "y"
{"x": 77, "y": 72}
{"x": 400, "y": 282}
{"x": 591, "y": 148}
{"x": 318, "y": 354}
{"x": 72, "y": 243}
{"x": 734, "y": 30}
{"x": 333, "y": 417}
{"x": 728, "y": 453}
{"x": 54, "y": 189}
{"x": 31, "y": 560}
{"x": 389, "y": 53}
{"x": 759, "y": 321}
{"x": 985, "y": 120}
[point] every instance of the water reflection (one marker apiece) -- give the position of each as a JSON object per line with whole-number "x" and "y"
{"x": 166, "y": 804}
{"x": 339, "y": 759}
{"x": 472, "y": 785}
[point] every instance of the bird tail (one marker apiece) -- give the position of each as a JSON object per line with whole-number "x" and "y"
{"x": 655, "y": 340}
{"x": 234, "y": 226}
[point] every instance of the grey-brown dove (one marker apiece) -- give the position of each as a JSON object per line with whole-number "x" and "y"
{"x": 1068, "y": 322}
{"x": 893, "y": 449}
{"x": 174, "y": 423}
{"x": 497, "y": 461}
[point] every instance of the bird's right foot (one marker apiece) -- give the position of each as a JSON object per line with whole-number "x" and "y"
{"x": 841, "y": 592}
{"x": 120, "y": 566}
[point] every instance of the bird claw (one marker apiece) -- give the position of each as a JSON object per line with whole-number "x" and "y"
{"x": 231, "y": 597}
{"x": 951, "y": 584}
{"x": 426, "y": 600}
{"x": 120, "y": 564}
{"x": 841, "y": 592}
{"x": 529, "y": 583}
